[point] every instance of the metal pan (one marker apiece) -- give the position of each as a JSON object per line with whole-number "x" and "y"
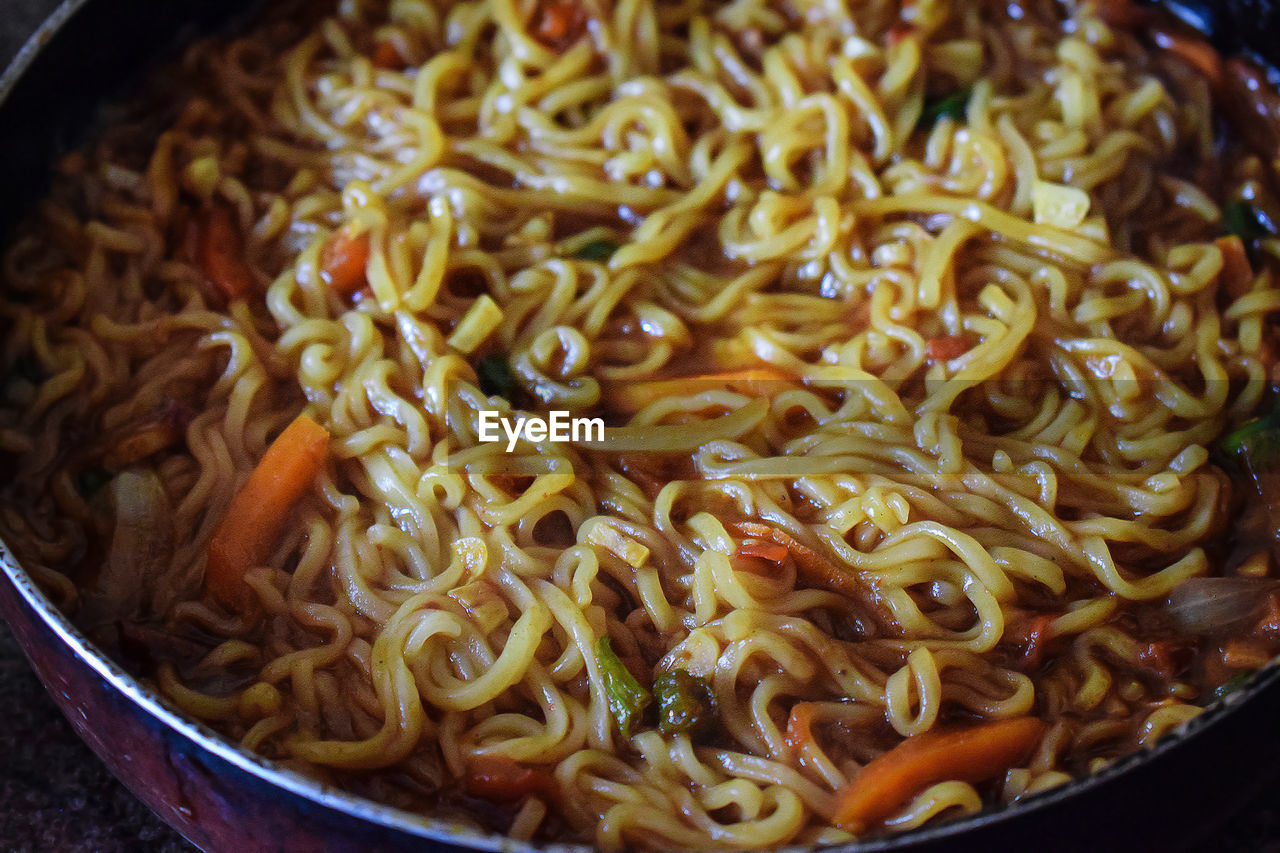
{"x": 224, "y": 798}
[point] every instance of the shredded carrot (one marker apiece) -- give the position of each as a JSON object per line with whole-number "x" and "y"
{"x": 259, "y": 511}
{"x": 971, "y": 755}
{"x": 769, "y": 551}
{"x": 947, "y": 347}
{"x": 221, "y": 254}
{"x": 752, "y": 381}
{"x": 1237, "y": 273}
{"x": 557, "y": 23}
{"x": 503, "y": 780}
{"x": 1268, "y": 627}
{"x": 1122, "y": 13}
{"x": 386, "y": 56}
{"x": 898, "y": 33}
{"x": 1197, "y": 52}
{"x": 1245, "y": 654}
{"x": 799, "y": 726}
{"x": 1039, "y": 633}
{"x": 343, "y": 260}
{"x": 1167, "y": 658}
{"x": 812, "y": 566}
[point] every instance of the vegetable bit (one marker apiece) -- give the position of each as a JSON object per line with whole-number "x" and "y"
{"x": 952, "y": 106}
{"x": 751, "y": 382}
{"x": 972, "y": 754}
{"x": 686, "y": 703}
{"x": 1236, "y": 683}
{"x": 220, "y": 253}
{"x": 558, "y": 23}
{"x": 627, "y": 699}
{"x": 259, "y": 512}
{"x": 1059, "y": 205}
{"x": 597, "y": 250}
{"x": 1241, "y": 218}
{"x": 1254, "y": 441}
{"x": 343, "y": 260}
{"x": 504, "y": 780}
{"x": 495, "y": 376}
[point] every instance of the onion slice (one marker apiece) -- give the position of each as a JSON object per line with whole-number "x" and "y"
{"x": 1213, "y": 606}
{"x": 141, "y": 549}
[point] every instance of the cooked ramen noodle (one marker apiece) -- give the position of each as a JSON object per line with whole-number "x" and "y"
{"x": 931, "y": 343}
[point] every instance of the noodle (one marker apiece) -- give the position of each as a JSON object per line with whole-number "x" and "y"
{"x": 928, "y": 421}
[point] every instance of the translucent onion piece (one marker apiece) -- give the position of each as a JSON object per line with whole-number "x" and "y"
{"x": 1218, "y": 605}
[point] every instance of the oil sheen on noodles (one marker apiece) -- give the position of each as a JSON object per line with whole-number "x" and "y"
{"x": 961, "y": 414}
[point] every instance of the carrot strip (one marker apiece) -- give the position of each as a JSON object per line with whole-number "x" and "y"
{"x": 1122, "y": 13}
{"x": 221, "y": 254}
{"x": 812, "y": 566}
{"x": 259, "y": 511}
{"x": 970, "y": 755}
{"x": 1237, "y": 272}
{"x": 752, "y": 381}
{"x": 799, "y": 726}
{"x": 769, "y": 551}
{"x": 503, "y": 780}
{"x": 343, "y": 260}
{"x": 386, "y": 56}
{"x": 1197, "y": 52}
{"x": 1039, "y": 633}
{"x": 947, "y": 347}
{"x": 558, "y": 23}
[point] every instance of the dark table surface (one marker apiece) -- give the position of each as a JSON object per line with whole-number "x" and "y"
{"x": 55, "y": 795}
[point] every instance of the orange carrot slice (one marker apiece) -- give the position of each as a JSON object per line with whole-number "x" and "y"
{"x": 947, "y": 347}
{"x": 259, "y": 511}
{"x": 1237, "y": 272}
{"x": 558, "y": 23}
{"x": 343, "y": 260}
{"x": 752, "y": 381}
{"x": 973, "y": 754}
{"x": 799, "y": 726}
{"x": 386, "y": 56}
{"x": 503, "y": 780}
{"x": 221, "y": 254}
{"x": 812, "y": 566}
{"x": 769, "y": 551}
{"x": 1197, "y": 52}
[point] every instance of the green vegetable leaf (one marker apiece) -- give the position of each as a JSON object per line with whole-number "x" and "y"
{"x": 627, "y": 699}
{"x": 952, "y": 106}
{"x": 1233, "y": 685}
{"x": 1240, "y": 218}
{"x": 495, "y": 376}
{"x": 686, "y": 702}
{"x": 1258, "y": 436}
{"x": 597, "y": 250}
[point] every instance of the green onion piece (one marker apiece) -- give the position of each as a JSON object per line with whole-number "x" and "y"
{"x": 1255, "y": 438}
{"x": 1241, "y": 219}
{"x": 952, "y": 106}
{"x": 685, "y": 702}
{"x": 1233, "y": 685}
{"x": 495, "y": 376}
{"x": 627, "y": 699}
{"x": 90, "y": 480}
{"x": 1234, "y": 441}
{"x": 597, "y": 250}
